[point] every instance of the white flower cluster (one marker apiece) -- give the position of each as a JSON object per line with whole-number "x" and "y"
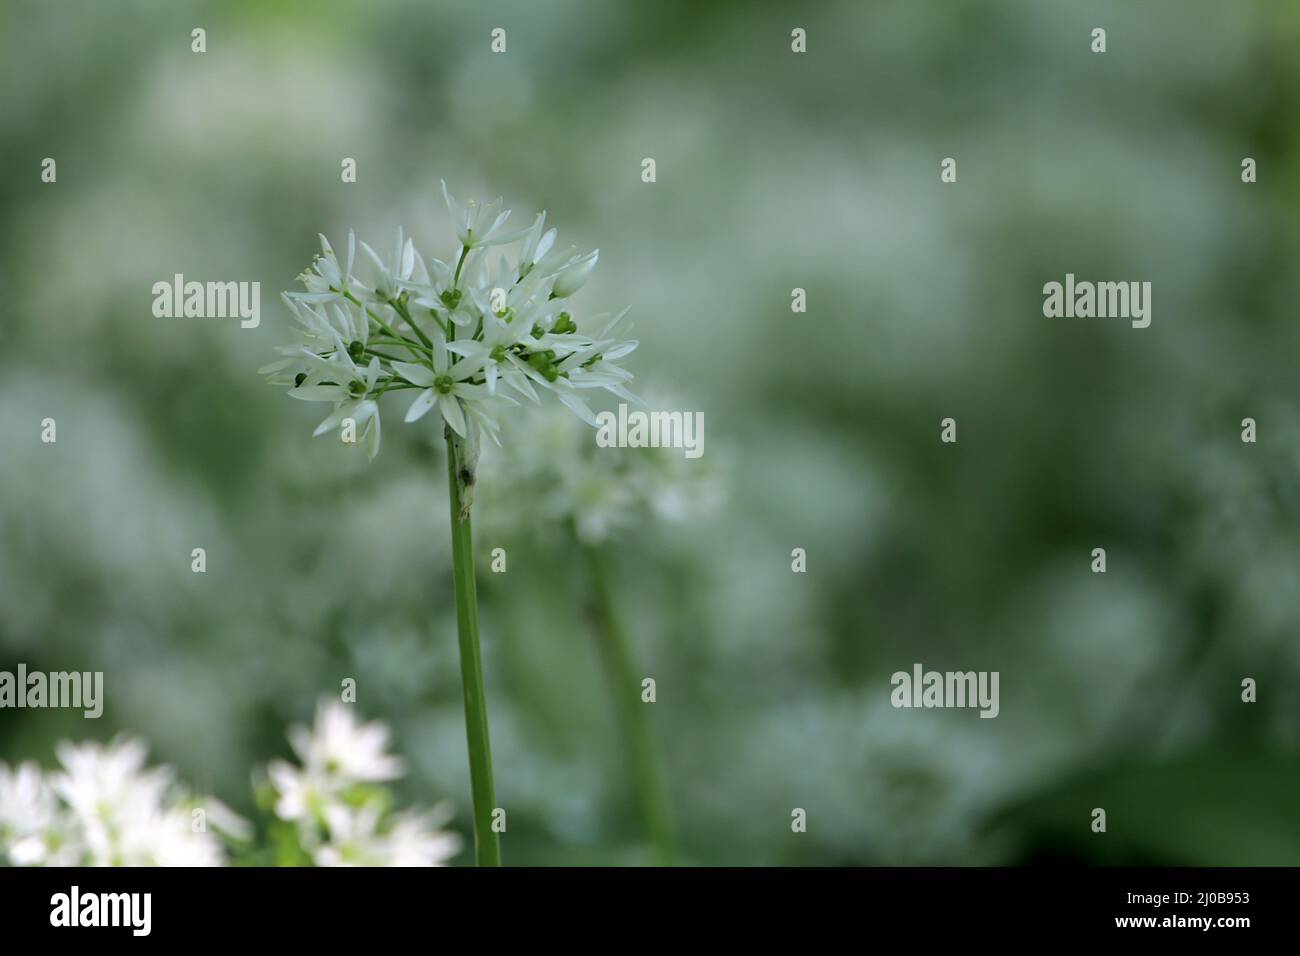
{"x": 599, "y": 493}
{"x": 455, "y": 332}
{"x": 104, "y": 808}
{"x": 337, "y": 803}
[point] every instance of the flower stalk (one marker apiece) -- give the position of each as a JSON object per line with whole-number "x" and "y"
{"x": 625, "y": 685}
{"x": 487, "y": 844}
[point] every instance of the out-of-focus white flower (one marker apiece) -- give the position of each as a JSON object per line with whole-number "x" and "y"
{"x": 416, "y": 840}
{"x": 34, "y": 831}
{"x": 339, "y": 745}
{"x": 354, "y": 838}
{"x": 337, "y": 753}
{"x": 155, "y": 835}
{"x": 95, "y": 776}
{"x": 337, "y": 801}
{"x": 102, "y": 808}
{"x": 596, "y": 491}
{"x": 300, "y": 794}
{"x": 357, "y": 837}
{"x": 26, "y": 805}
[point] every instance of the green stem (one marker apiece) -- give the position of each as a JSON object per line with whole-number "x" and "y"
{"x": 487, "y": 845}
{"x": 460, "y": 264}
{"x": 412, "y": 347}
{"x": 625, "y": 683}
{"x": 385, "y": 340}
{"x": 401, "y": 310}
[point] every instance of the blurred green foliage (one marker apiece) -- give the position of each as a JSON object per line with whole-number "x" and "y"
{"x": 774, "y": 171}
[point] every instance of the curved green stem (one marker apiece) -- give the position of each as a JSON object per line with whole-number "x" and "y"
{"x": 384, "y": 340}
{"x": 460, "y": 264}
{"x": 487, "y": 845}
{"x": 412, "y": 347}
{"x": 625, "y": 684}
{"x": 400, "y": 308}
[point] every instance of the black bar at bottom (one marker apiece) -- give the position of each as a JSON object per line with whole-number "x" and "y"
{"x": 572, "y": 905}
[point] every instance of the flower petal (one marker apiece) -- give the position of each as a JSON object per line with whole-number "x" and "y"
{"x": 467, "y": 367}
{"x": 374, "y": 257}
{"x": 521, "y": 385}
{"x": 319, "y": 393}
{"x": 276, "y": 366}
{"x": 331, "y": 422}
{"x": 408, "y": 260}
{"x": 453, "y": 415}
{"x": 622, "y": 349}
{"x": 415, "y": 374}
{"x": 577, "y": 406}
{"x": 420, "y": 407}
{"x": 472, "y": 393}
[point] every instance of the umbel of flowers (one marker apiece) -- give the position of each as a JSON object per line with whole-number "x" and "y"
{"x": 470, "y": 336}
{"x": 105, "y": 807}
{"x": 334, "y": 808}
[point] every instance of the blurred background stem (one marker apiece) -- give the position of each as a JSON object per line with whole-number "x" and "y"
{"x": 625, "y": 686}
{"x": 487, "y": 846}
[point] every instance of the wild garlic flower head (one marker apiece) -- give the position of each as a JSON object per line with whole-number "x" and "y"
{"x": 103, "y": 807}
{"x": 470, "y": 336}
{"x": 339, "y": 805}
{"x": 599, "y": 492}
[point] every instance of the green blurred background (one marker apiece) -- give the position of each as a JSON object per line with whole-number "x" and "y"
{"x": 775, "y": 171}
